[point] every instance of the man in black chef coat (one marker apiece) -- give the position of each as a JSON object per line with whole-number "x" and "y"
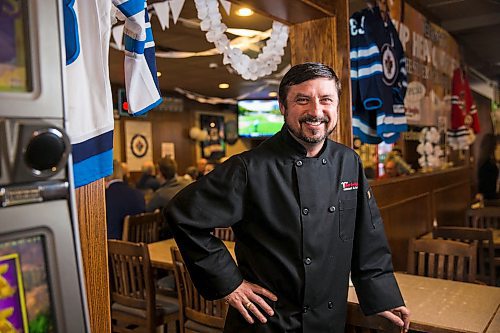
{"x": 303, "y": 215}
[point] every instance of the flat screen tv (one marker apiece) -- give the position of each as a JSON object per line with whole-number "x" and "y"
{"x": 258, "y": 118}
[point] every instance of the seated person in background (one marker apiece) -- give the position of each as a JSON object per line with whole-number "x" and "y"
{"x": 391, "y": 169}
{"x": 121, "y": 200}
{"x": 148, "y": 179}
{"x": 209, "y": 167}
{"x": 170, "y": 184}
{"x": 487, "y": 169}
{"x": 201, "y": 164}
{"x": 126, "y": 173}
{"x": 191, "y": 173}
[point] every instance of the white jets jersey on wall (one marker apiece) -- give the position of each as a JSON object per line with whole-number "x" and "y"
{"x": 89, "y": 113}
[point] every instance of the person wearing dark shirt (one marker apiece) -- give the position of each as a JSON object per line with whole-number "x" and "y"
{"x": 303, "y": 215}
{"x": 148, "y": 179}
{"x": 121, "y": 200}
{"x": 488, "y": 169}
{"x": 170, "y": 182}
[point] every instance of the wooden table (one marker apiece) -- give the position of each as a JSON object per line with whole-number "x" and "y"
{"x": 160, "y": 256}
{"x": 444, "y": 306}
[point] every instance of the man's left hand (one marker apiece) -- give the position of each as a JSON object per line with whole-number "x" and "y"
{"x": 400, "y": 316}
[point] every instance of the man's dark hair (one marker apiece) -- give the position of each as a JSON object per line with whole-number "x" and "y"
{"x": 167, "y": 167}
{"x": 305, "y": 72}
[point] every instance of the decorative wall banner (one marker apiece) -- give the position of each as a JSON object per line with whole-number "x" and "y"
{"x": 214, "y": 147}
{"x": 138, "y": 144}
{"x": 432, "y": 55}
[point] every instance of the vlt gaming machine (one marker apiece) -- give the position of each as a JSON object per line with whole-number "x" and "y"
{"x": 41, "y": 282}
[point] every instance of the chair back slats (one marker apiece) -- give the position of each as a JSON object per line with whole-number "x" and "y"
{"x": 442, "y": 259}
{"x": 132, "y": 285}
{"x": 143, "y": 227}
{"x": 484, "y": 217}
{"x": 193, "y": 305}
{"x": 225, "y": 234}
{"x": 483, "y": 240}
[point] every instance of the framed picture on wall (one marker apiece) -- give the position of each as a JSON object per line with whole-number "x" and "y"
{"x": 213, "y": 147}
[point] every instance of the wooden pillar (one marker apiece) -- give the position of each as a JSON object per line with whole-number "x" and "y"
{"x": 92, "y": 224}
{"x": 326, "y": 40}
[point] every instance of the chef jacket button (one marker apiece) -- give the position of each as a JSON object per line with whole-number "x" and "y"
{"x": 330, "y": 305}
{"x": 305, "y": 309}
{"x": 331, "y": 209}
{"x": 323, "y": 161}
{"x": 298, "y": 163}
{"x": 307, "y": 261}
{"x": 305, "y": 211}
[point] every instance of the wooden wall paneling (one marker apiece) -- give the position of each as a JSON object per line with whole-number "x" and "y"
{"x": 317, "y": 41}
{"x": 403, "y": 222}
{"x": 410, "y": 204}
{"x": 451, "y": 202}
{"x": 173, "y": 127}
{"x": 91, "y": 206}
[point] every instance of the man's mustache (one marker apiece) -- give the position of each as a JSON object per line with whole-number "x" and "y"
{"x": 314, "y": 119}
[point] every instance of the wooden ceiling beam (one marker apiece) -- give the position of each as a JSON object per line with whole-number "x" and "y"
{"x": 290, "y": 11}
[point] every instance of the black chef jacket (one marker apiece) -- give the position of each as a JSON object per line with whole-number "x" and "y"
{"x": 301, "y": 224}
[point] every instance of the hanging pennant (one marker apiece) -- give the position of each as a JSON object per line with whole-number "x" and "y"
{"x": 162, "y": 11}
{"x": 227, "y": 6}
{"x": 176, "y": 7}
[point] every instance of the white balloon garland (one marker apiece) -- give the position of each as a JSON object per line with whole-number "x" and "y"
{"x": 431, "y": 154}
{"x": 250, "y": 69}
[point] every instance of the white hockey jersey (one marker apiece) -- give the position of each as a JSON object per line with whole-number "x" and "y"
{"x": 89, "y": 113}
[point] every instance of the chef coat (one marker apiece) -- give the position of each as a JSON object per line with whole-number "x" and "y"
{"x": 301, "y": 224}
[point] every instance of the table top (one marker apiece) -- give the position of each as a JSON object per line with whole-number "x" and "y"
{"x": 438, "y": 305}
{"x": 161, "y": 257}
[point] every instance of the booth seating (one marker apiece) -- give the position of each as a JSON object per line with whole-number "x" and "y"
{"x": 483, "y": 239}
{"x": 197, "y": 315}
{"x": 443, "y": 259}
{"x": 135, "y": 306}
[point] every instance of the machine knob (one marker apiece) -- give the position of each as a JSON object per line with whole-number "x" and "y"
{"x": 47, "y": 151}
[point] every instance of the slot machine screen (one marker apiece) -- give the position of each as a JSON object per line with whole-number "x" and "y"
{"x": 25, "y": 296}
{"x": 14, "y": 47}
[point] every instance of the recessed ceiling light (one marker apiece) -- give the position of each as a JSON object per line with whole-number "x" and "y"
{"x": 244, "y": 12}
{"x": 158, "y": 74}
{"x": 223, "y": 85}
{"x": 273, "y": 94}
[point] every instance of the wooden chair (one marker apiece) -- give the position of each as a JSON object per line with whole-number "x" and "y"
{"x": 483, "y": 239}
{"x": 135, "y": 307}
{"x": 143, "y": 227}
{"x": 225, "y": 234}
{"x": 485, "y": 217}
{"x": 443, "y": 259}
{"x": 197, "y": 314}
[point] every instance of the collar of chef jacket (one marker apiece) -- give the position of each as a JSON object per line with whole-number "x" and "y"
{"x": 295, "y": 148}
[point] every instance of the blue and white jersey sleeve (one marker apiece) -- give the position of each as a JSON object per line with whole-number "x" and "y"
{"x": 141, "y": 81}
{"x": 366, "y": 80}
{"x": 89, "y": 111}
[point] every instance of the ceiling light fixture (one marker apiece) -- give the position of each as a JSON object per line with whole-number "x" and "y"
{"x": 223, "y": 85}
{"x": 158, "y": 74}
{"x": 244, "y": 11}
{"x": 272, "y": 94}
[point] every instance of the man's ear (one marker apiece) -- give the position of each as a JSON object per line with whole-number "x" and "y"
{"x": 282, "y": 108}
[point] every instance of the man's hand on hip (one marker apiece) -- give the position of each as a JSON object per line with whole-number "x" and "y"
{"x": 400, "y": 316}
{"x": 246, "y": 300}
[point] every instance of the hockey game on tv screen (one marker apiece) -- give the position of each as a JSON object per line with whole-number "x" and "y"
{"x": 258, "y": 118}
